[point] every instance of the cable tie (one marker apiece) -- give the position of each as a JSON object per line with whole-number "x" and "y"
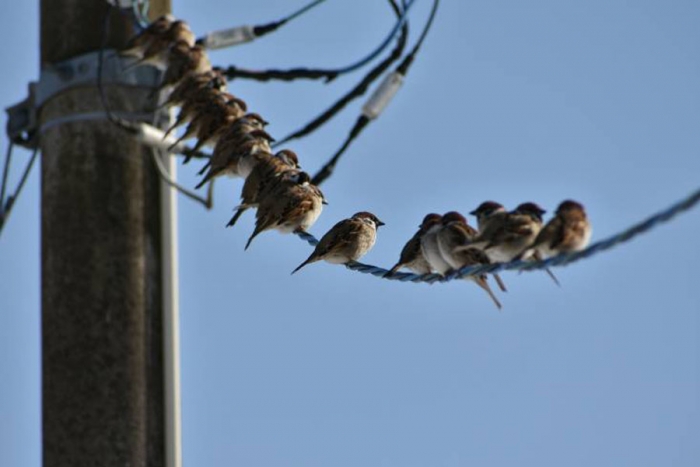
{"x": 382, "y": 96}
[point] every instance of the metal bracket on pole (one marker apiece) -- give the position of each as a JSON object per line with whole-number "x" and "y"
{"x": 59, "y": 77}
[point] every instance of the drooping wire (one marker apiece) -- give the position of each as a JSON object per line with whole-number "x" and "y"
{"x": 364, "y": 119}
{"x": 560, "y": 260}
{"x": 6, "y": 205}
{"x": 358, "y": 90}
{"x": 263, "y": 29}
{"x": 233, "y": 72}
{"x": 5, "y": 173}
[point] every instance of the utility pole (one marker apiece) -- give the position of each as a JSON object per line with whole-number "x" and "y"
{"x": 102, "y": 303}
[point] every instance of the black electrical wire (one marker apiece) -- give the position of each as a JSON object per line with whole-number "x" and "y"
{"x": 328, "y": 168}
{"x": 7, "y": 205}
{"x": 233, "y": 72}
{"x": 5, "y": 173}
{"x": 358, "y": 90}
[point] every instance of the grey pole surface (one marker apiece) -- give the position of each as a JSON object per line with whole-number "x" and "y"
{"x": 102, "y": 349}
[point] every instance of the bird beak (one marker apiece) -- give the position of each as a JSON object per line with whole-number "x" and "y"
{"x": 324, "y": 202}
{"x": 380, "y": 223}
{"x": 473, "y": 213}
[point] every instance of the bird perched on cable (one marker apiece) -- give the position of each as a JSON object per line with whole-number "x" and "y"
{"x": 568, "y": 231}
{"x": 196, "y": 100}
{"x": 348, "y": 240}
{"x": 211, "y": 118}
{"x": 455, "y": 233}
{"x": 137, "y": 45}
{"x": 184, "y": 60}
{"x": 293, "y": 205}
{"x": 412, "y": 255}
{"x": 488, "y": 214}
{"x": 237, "y": 160}
{"x": 263, "y": 177}
{"x": 194, "y": 83}
{"x": 431, "y": 250}
{"x": 157, "y": 51}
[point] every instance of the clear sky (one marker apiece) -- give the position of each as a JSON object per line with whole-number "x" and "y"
{"x": 514, "y": 101}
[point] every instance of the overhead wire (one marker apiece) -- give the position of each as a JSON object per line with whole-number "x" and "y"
{"x": 390, "y": 87}
{"x": 233, "y": 72}
{"x": 6, "y": 204}
{"x": 357, "y": 91}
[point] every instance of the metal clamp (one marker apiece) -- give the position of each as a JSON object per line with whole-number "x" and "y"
{"x": 59, "y": 77}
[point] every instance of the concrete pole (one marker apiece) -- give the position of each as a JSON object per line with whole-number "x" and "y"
{"x": 102, "y": 349}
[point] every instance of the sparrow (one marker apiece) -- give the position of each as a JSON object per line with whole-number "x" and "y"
{"x": 455, "y": 233}
{"x": 237, "y": 160}
{"x": 210, "y": 119}
{"x": 487, "y": 213}
{"x": 293, "y": 205}
{"x": 263, "y": 178}
{"x": 347, "y": 241}
{"x": 156, "y": 53}
{"x": 235, "y": 134}
{"x": 568, "y": 231}
{"x": 138, "y": 44}
{"x": 412, "y": 256}
{"x": 193, "y": 83}
{"x": 183, "y": 61}
{"x": 193, "y": 103}
{"x": 431, "y": 251}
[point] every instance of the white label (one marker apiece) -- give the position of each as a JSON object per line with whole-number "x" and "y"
{"x": 152, "y": 136}
{"x": 382, "y": 96}
{"x": 229, "y": 37}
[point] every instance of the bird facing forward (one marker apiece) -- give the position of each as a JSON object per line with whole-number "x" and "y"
{"x": 347, "y": 241}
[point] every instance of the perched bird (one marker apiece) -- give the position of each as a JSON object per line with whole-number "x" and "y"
{"x": 194, "y": 83}
{"x": 156, "y": 53}
{"x": 455, "y": 233}
{"x": 237, "y": 160}
{"x": 263, "y": 177}
{"x": 210, "y": 119}
{"x": 568, "y": 231}
{"x": 293, "y": 205}
{"x": 412, "y": 256}
{"x": 138, "y": 44}
{"x": 431, "y": 250}
{"x": 347, "y": 241}
{"x": 184, "y": 61}
{"x": 488, "y": 212}
{"x": 504, "y": 240}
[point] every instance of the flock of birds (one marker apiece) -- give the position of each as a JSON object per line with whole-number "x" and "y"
{"x": 287, "y": 201}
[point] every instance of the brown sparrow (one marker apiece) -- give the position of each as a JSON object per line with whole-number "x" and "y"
{"x": 156, "y": 53}
{"x": 412, "y": 256}
{"x": 431, "y": 251}
{"x": 455, "y": 233}
{"x": 293, "y": 205}
{"x": 193, "y": 83}
{"x": 138, "y": 44}
{"x": 347, "y": 241}
{"x": 488, "y": 212}
{"x": 568, "y": 231}
{"x": 183, "y": 61}
{"x": 263, "y": 178}
{"x": 237, "y": 160}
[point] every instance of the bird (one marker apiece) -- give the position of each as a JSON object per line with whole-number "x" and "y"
{"x": 568, "y": 231}
{"x": 156, "y": 52}
{"x": 210, "y": 119}
{"x": 411, "y": 255}
{"x": 226, "y": 159}
{"x": 431, "y": 251}
{"x": 346, "y": 241}
{"x": 504, "y": 239}
{"x": 487, "y": 213}
{"x": 193, "y": 83}
{"x": 263, "y": 178}
{"x": 138, "y": 44}
{"x": 184, "y": 60}
{"x": 293, "y": 205}
{"x": 455, "y": 233}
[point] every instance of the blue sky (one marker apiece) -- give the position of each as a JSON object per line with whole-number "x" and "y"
{"x": 513, "y": 101}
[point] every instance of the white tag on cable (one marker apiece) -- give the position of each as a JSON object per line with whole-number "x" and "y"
{"x": 229, "y": 37}
{"x": 152, "y": 136}
{"x": 382, "y": 96}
